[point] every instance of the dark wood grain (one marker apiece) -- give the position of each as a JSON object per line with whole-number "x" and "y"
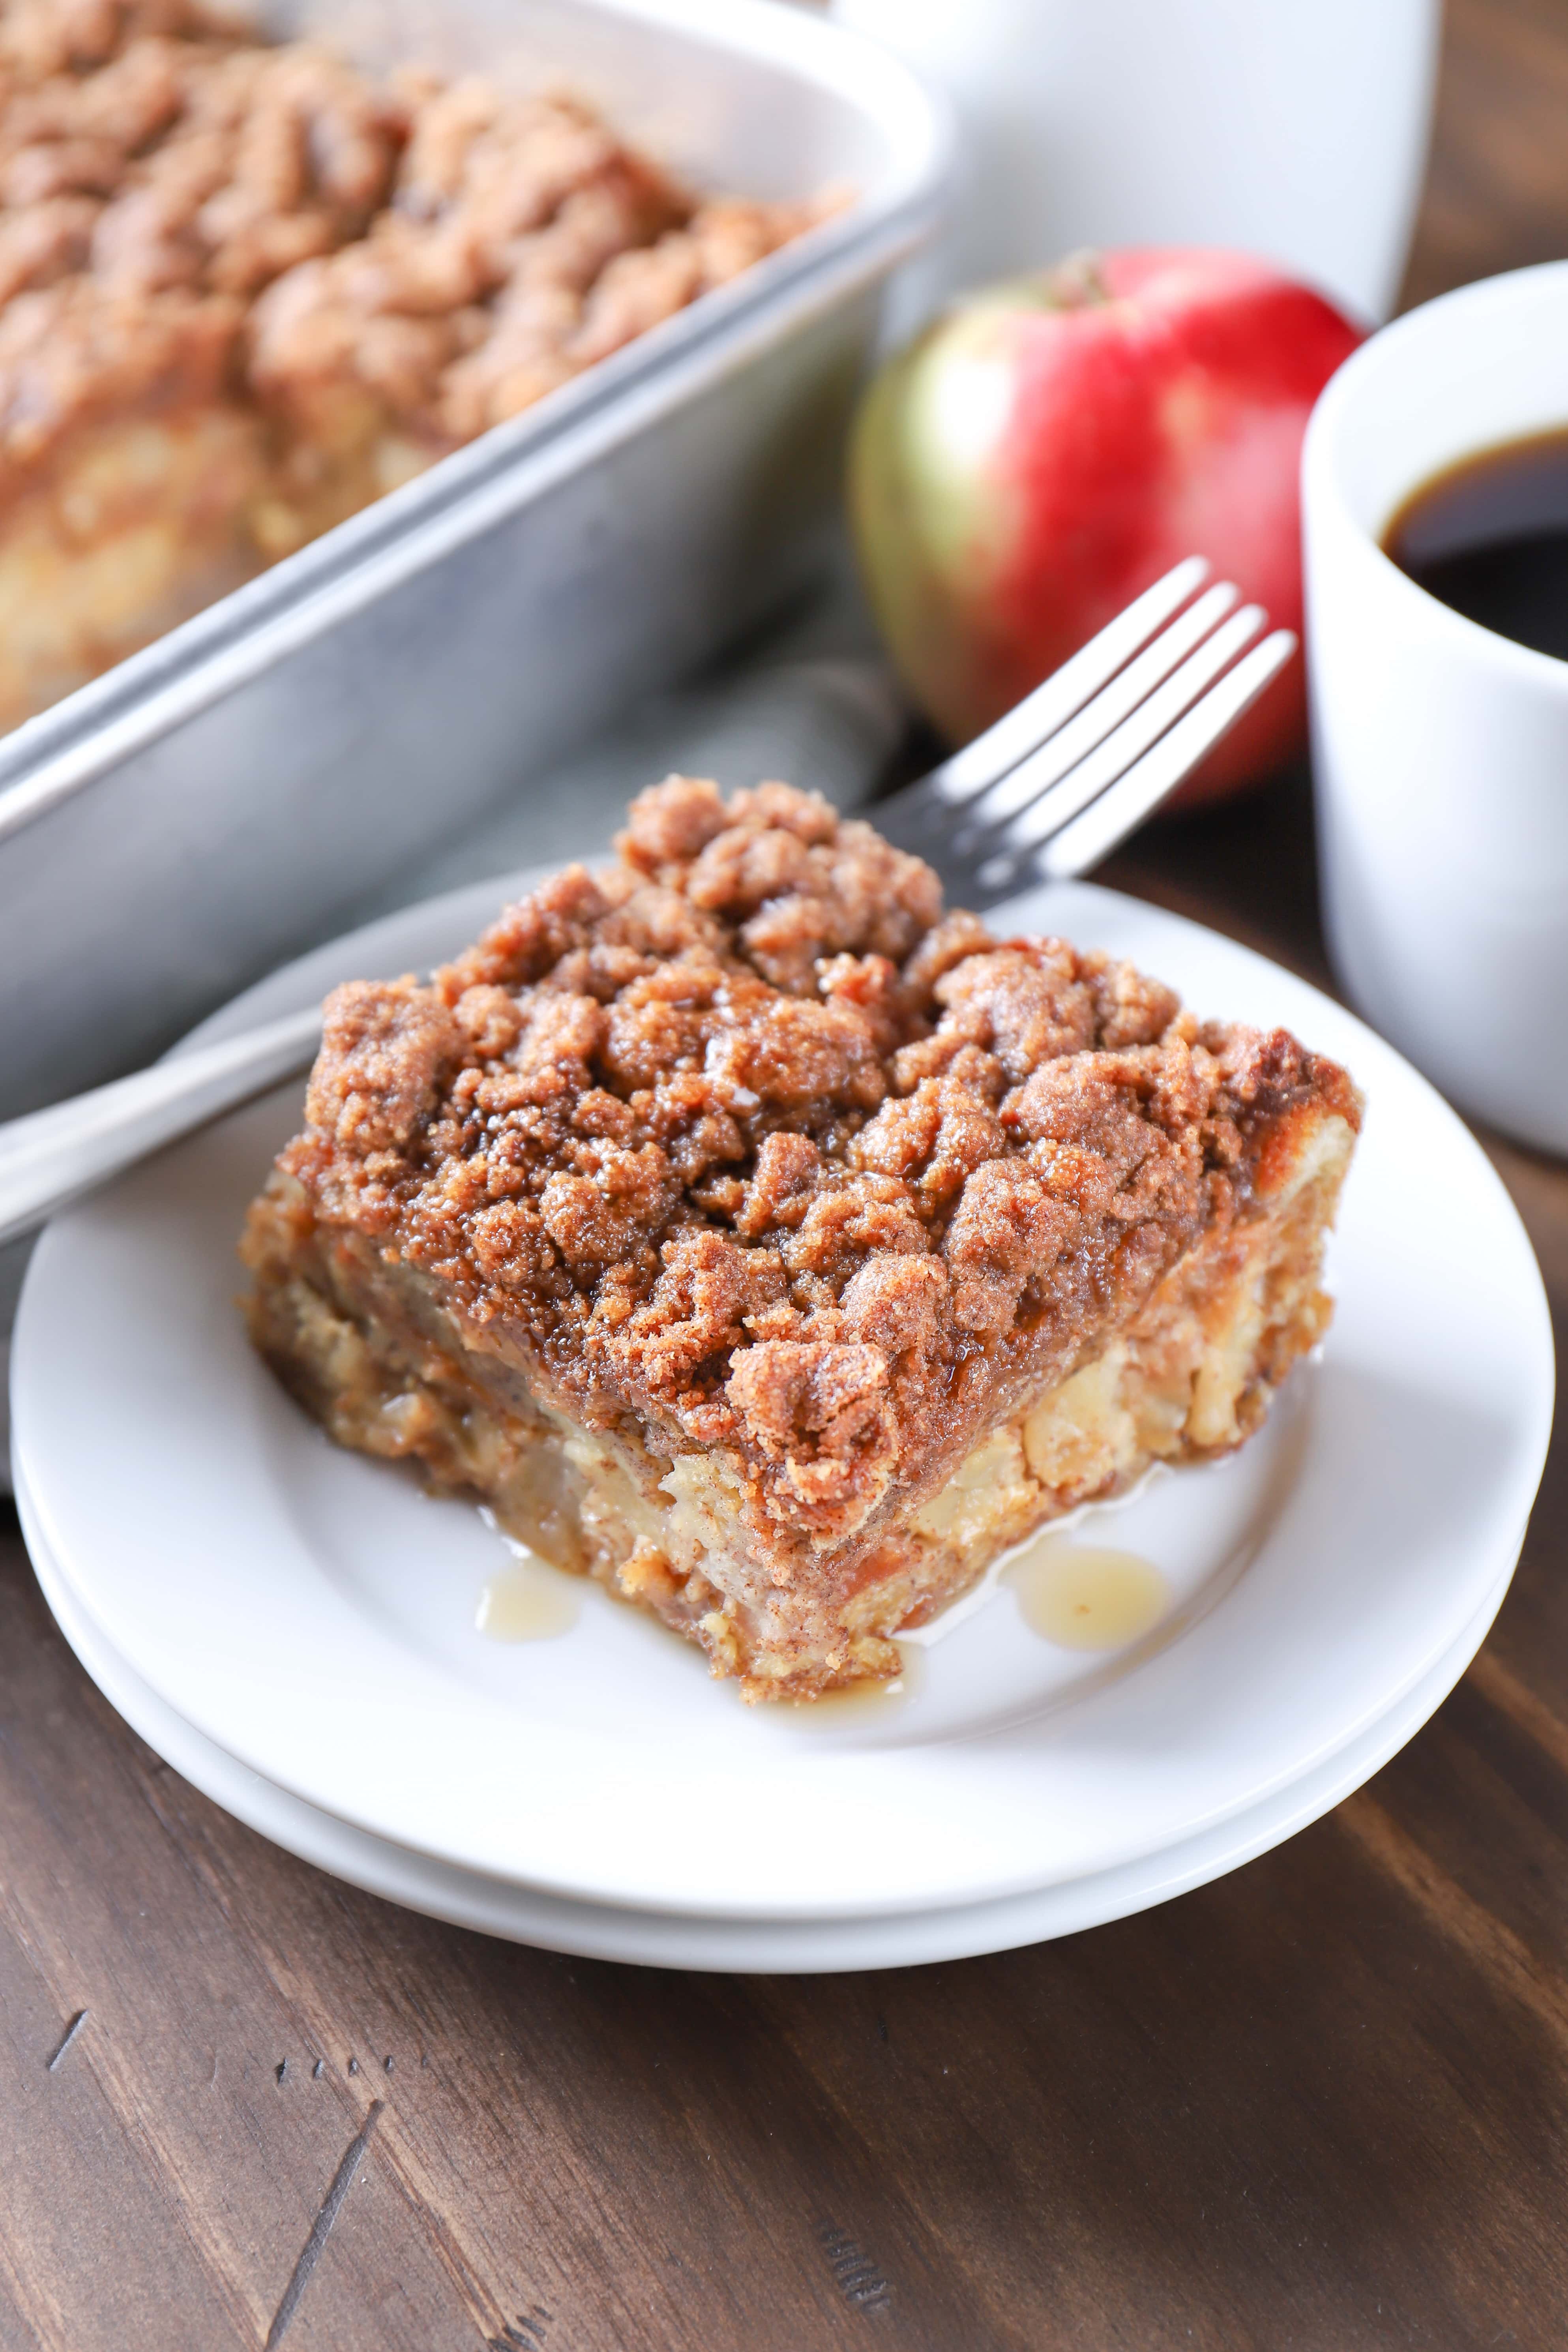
{"x": 1321, "y": 2105}
{"x": 1497, "y": 191}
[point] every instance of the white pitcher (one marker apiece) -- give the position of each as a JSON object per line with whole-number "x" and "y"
{"x": 1296, "y": 129}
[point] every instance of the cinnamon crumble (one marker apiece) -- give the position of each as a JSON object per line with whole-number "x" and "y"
{"x": 778, "y": 1249}
{"x": 245, "y": 290}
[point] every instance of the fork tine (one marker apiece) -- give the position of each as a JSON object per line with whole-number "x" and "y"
{"x": 1127, "y": 742}
{"x": 1021, "y": 729}
{"x": 1124, "y": 806}
{"x": 1099, "y": 716}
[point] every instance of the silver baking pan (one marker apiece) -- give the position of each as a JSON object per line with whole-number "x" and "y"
{"x": 243, "y": 787}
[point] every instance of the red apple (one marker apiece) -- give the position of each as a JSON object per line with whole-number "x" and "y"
{"x": 1050, "y": 446}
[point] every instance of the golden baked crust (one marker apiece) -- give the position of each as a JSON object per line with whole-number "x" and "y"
{"x": 743, "y": 1165}
{"x": 358, "y": 278}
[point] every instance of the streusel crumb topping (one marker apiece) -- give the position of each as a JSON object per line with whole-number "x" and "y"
{"x": 745, "y": 1138}
{"x": 183, "y": 211}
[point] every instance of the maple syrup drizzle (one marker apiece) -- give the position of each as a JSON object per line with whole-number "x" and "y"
{"x": 1088, "y": 1596}
{"x": 526, "y": 1602}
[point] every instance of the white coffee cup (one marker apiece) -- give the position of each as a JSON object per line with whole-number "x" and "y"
{"x": 1440, "y": 748}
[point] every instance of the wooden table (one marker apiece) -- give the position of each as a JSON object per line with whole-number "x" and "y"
{"x": 1319, "y": 2104}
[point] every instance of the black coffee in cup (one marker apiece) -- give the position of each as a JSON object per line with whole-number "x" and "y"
{"x": 1490, "y": 537}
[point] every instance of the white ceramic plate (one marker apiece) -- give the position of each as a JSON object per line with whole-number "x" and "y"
{"x": 671, "y": 1940}
{"x": 312, "y": 1613}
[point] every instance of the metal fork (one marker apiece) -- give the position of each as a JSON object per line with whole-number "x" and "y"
{"x": 1076, "y": 766}
{"x": 1045, "y": 794}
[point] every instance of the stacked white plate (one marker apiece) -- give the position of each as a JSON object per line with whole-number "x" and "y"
{"x": 294, "y": 1628}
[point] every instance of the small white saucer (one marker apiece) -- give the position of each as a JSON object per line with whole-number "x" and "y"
{"x": 311, "y": 1614}
{"x": 765, "y": 1946}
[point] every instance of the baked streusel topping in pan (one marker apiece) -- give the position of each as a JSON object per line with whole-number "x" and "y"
{"x": 245, "y": 288}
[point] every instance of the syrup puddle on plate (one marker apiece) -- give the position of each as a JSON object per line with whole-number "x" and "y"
{"x": 527, "y": 1601}
{"x": 860, "y": 1703}
{"x": 1088, "y": 1596}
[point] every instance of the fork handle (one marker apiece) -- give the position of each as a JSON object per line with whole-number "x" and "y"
{"x": 52, "y": 1156}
